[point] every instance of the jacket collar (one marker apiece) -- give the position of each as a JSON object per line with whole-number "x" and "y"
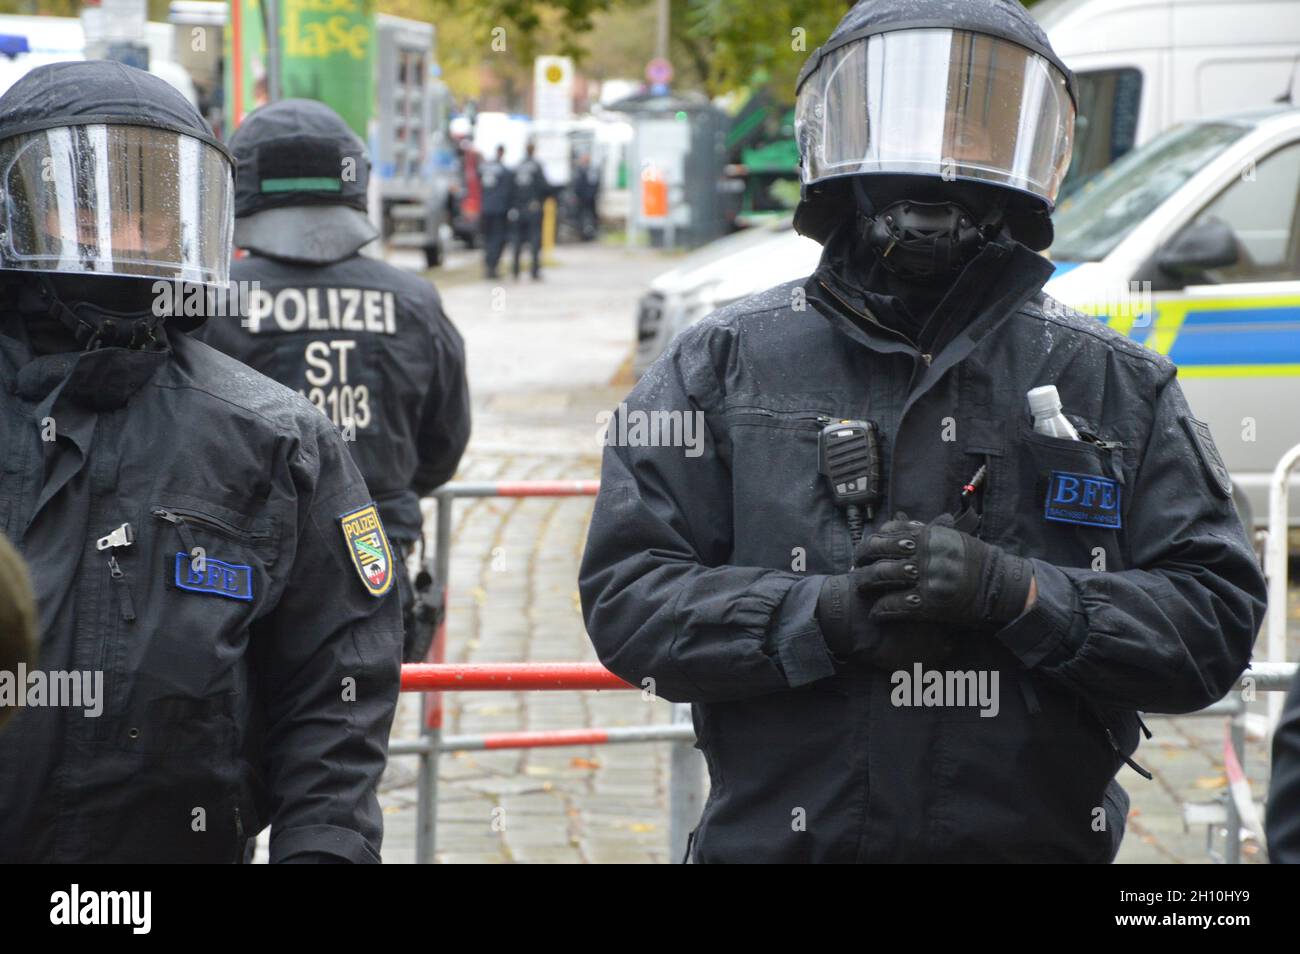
{"x": 989, "y": 290}
{"x": 98, "y": 380}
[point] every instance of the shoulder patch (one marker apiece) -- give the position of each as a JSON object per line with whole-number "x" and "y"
{"x": 1220, "y": 479}
{"x": 367, "y": 544}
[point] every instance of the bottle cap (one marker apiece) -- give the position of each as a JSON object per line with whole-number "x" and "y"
{"x": 1044, "y": 401}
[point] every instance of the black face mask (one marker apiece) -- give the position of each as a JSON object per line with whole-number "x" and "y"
{"x": 99, "y": 311}
{"x": 922, "y": 229}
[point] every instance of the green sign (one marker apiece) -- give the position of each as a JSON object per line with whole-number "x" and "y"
{"x": 327, "y": 53}
{"x": 327, "y": 50}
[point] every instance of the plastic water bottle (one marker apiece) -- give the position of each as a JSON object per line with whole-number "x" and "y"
{"x": 1045, "y": 405}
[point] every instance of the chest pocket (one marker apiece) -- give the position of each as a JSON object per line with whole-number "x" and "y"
{"x": 200, "y": 574}
{"x": 1062, "y": 500}
{"x": 783, "y": 516}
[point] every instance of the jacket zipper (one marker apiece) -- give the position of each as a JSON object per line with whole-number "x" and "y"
{"x": 182, "y": 520}
{"x": 815, "y": 417}
{"x": 1113, "y": 450}
{"x": 124, "y": 603}
{"x": 868, "y": 316}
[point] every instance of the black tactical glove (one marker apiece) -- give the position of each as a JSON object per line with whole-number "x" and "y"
{"x": 936, "y": 573}
{"x": 843, "y": 614}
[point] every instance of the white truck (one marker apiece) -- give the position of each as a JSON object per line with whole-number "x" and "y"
{"x": 409, "y": 146}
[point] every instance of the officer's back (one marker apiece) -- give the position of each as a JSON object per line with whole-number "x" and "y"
{"x": 530, "y": 185}
{"x": 366, "y": 343}
{"x": 498, "y": 185}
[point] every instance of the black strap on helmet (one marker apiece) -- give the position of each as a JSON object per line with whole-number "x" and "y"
{"x": 96, "y": 327}
{"x": 922, "y": 240}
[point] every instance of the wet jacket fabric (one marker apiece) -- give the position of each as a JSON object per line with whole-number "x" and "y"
{"x": 258, "y": 689}
{"x": 368, "y": 344}
{"x": 704, "y": 563}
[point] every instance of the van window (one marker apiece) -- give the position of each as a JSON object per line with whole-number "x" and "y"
{"x": 1260, "y": 208}
{"x": 1106, "y": 125}
{"x": 1105, "y": 210}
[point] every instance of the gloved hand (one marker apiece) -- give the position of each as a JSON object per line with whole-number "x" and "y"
{"x": 844, "y": 616}
{"x": 934, "y": 572}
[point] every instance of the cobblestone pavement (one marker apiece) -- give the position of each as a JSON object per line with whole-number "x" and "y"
{"x": 544, "y": 359}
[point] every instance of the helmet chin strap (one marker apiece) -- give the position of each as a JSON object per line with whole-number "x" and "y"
{"x": 924, "y": 240}
{"x": 95, "y": 326}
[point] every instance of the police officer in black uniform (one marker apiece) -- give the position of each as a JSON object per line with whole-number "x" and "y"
{"x": 950, "y": 669}
{"x": 210, "y": 572}
{"x": 365, "y": 342}
{"x": 497, "y": 183}
{"x": 530, "y": 191}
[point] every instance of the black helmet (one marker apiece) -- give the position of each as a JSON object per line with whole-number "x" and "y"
{"x": 107, "y": 170}
{"x": 301, "y": 182}
{"x": 966, "y": 92}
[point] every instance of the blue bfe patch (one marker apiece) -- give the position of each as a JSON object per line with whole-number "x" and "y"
{"x": 232, "y": 580}
{"x": 1082, "y": 498}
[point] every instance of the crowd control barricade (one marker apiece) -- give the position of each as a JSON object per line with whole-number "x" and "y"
{"x": 1275, "y": 568}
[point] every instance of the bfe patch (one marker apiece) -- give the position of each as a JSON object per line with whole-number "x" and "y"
{"x": 231, "y": 580}
{"x": 1089, "y": 499}
{"x": 368, "y": 547}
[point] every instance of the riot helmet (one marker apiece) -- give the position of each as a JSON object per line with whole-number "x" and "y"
{"x": 910, "y": 108}
{"x": 111, "y": 180}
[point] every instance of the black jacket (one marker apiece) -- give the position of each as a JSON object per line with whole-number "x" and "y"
{"x": 530, "y": 188}
{"x": 259, "y": 689}
{"x": 498, "y": 184}
{"x": 702, "y": 572}
{"x": 371, "y": 345}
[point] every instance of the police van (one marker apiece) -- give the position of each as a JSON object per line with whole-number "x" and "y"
{"x": 1191, "y": 245}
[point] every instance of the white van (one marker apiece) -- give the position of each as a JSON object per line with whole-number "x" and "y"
{"x": 1144, "y": 65}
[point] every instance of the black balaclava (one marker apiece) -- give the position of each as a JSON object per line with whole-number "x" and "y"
{"x": 914, "y": 235}
{"x": 86, "y": 312}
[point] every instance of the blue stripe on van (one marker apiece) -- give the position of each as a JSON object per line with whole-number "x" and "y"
{"x": 1228, "y": 345}
{"x": 1236, "y": 316}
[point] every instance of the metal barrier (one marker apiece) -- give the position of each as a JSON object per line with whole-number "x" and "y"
{"x": 1275, "y": 568}
{"x": 1236, "y": 807}
{"x": 687, "y": 788}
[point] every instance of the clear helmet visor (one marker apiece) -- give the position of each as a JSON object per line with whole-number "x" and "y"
{"x": 116, "y": 200}
{"x": 948, "y": 103}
